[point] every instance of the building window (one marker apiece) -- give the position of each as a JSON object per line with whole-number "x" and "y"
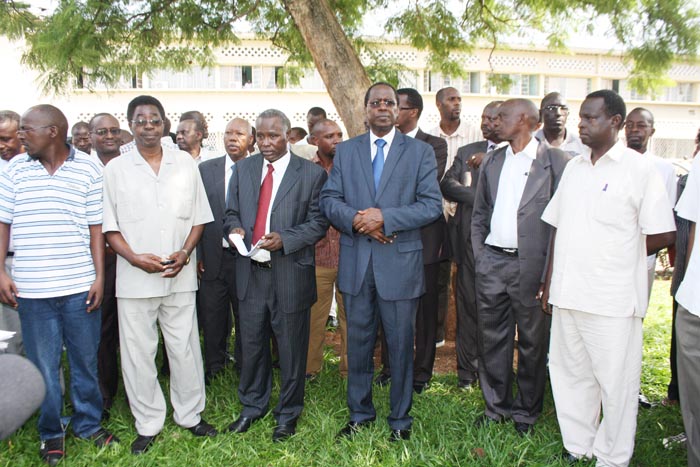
{"x": 194, "y": 78}
{"x": 681, "y": 92}
{"x": 568, "y": 87}
{"x": 516, "y": 85}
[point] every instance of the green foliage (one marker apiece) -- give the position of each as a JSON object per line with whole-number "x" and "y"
{"x": 108, "y": 41}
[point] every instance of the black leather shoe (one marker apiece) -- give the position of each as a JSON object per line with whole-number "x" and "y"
{"x": 203, "y": 429}
{"x": 644, "y": 402}
{"x": 382, "y": 380}
{"x": 351, "y": 428}
{"x": 399, "y": 435}
{"x": 484, "y": 420}
{"x": 142, "y": 444}
{"x": 282, "y": 432}
{"x": 524, "y": 428}
{"x": 569, "y": 458}
{"x": 419, "y": 387}
{"x": 241, "y": 425}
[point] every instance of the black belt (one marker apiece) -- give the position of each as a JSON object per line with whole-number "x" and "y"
{"x": 10, "y": 254}
{"x": 262, "y": 265}
{"x": 505, "y": 251}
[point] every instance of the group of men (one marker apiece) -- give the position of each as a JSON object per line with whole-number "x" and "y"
{"x": 531, "y": 218}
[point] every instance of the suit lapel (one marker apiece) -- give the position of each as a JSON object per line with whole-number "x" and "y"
{"x": 498, "y": 158}
{"x": 220, "y": 182}
{"x": 291, "y": 176}
{"x": 255, "y": 173}
{"x": 364, "y": 157}
{"x": 539, "y": 175}
{"x": 392, "y": 159}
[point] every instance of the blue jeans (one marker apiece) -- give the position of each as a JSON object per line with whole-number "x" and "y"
{"x": 47, "y": 325}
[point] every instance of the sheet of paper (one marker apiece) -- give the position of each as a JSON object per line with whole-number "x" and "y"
{"x": 238, "y": 242}
{"x": 6, "y": 335}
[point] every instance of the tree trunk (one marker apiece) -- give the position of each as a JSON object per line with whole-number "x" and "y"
{"x": 336, "y": 60}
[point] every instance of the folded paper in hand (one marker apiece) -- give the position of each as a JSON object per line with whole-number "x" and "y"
{"x": 238, "y": 242}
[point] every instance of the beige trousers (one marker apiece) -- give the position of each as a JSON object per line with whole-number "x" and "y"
{"x": 596, "y": 361}
{"x": 138, "y": 341}
{"x": 325, "y": 282}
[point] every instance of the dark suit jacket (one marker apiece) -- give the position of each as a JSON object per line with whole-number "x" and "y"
{"x": 533, "y": 234}
{"x": 409, "y": 197}
{"x": 460, "y": 226}
{"x": 434, "y": 235}
{"x": 210, "y": 248}
{"x": 295, "y": 216}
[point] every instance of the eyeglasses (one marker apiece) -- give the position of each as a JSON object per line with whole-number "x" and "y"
{"x": 104, "y": 131}
{"x": 557, "y": 107}
{"x": 152, "y": 121}
{"x": 375, "y": 104}
{"x": 406, "y": 108}
{"x": 24, "y": 131}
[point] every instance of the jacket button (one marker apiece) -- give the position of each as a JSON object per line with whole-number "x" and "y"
{"x": 369, "y": 239}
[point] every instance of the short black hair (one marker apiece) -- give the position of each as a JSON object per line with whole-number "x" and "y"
{"x": 9, "y": 116}
{"x": 317, "y": 111}
{"x": 99, "y": 115}
{"x": 613, "y": 103}
{"x": 79, "y": 125}
{"x": 413, "y": 98}
{"x": 143, "y": 100}
{"x": 380, "y": 83}
{"x": 199, "y": 121}
{"x": 642, "y": 110}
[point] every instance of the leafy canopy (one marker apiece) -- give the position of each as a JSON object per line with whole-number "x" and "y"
{"x": 109, "y": 41}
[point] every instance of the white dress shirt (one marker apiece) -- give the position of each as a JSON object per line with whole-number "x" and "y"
{"x": 603, "y": 213}
{"x": 280, "y": 167}
{"x": 511, "y": 184}
{"x": 688, "y": 207}
{"x": 228, "y": 171}
{"x": 389, "y": 138}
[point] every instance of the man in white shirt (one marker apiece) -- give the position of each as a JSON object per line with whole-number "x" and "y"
{"x": 554, "y": 111}
{"x": 688, "y": 320}
{"x": 639, "y": 128}
{"x": 610, "y": 210}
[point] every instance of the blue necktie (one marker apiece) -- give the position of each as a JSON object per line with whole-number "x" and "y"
{"x": 378, "y": 162}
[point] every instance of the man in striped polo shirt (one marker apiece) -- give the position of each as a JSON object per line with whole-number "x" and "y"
{"x": 52, "y": 198}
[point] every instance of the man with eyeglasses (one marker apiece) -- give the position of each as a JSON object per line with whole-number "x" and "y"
{"x": 155, "y": 208}
{"x": 382, "y": 189}
{"x": 52, "y": 199}
{"x": 554, "y": 112}
{"x": 105, "y": 137}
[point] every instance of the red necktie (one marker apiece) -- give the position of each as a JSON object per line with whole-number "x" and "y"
{"x": 263, "y": 205}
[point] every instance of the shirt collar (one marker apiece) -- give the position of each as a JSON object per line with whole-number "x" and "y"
{"x": 412, "y": 133}
{"x": 228, "y": 163}
{"x": 614, "y": 153}
{"x": 280, "y": 165}
{"x": 530, "y": 149}
{"x": 389, "y": 137}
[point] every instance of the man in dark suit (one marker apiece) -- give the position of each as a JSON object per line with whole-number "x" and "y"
{"x": 382, "y": 189}
{"x": 459, "y": 185}
{"x": 276, "y": 286}
{"x": 216, "y": 266}
{"x": 510, "y": 244}
{"x": 433, "y": 236}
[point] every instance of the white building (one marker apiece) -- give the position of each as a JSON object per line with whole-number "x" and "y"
{"x": 243, "y": 83}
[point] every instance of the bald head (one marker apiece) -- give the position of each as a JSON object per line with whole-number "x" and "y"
{"x": 50, "y": 116}
{"x": 43, "y": 131}
{"x": 517, "y": 119}
{"x": 238, "y": 136}
{"x": 326, "y": 135}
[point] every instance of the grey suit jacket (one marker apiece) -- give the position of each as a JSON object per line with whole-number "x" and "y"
{"x": 295, "y": 216}
{"x": 453, "y": 189}
{"x": 533, "y": 234}
{"x": 409, "y": 198}
{"x": 210, "y": 247}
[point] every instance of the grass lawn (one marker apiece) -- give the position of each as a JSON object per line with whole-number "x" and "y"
{"x": 443, "y": 432}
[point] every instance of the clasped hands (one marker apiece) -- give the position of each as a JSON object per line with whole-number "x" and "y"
{"x": 153, "y": 263}
{"x": 370, "y": 222}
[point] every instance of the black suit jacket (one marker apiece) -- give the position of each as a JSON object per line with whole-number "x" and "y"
{"x": 210, "y": 248}
{"x": 434, "y": 235}
{"x": 453, "y": 189}
{"x": 295, "y": 216}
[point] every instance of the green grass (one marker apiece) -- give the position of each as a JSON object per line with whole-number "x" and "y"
{"x": 443, "y": 434}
